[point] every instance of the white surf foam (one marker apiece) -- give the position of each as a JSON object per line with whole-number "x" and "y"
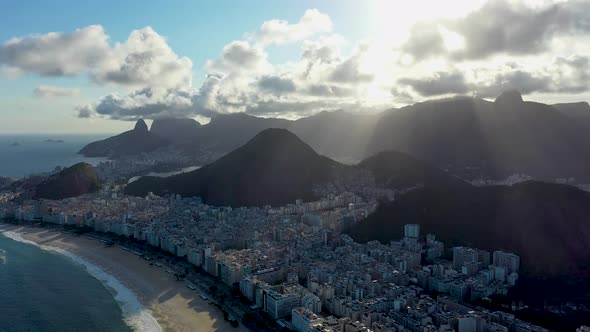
{"x": 135, "y": 314}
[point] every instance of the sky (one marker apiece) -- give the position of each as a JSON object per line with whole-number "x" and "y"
{"x": 95, "y": 67}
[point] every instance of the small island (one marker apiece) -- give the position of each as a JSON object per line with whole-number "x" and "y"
{"x": 15, "y": 144}
{"x": 51, "y": 140}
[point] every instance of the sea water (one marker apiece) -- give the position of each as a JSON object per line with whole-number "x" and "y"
{"x": 48, "y": 289}
{"x": 23, "y": 155}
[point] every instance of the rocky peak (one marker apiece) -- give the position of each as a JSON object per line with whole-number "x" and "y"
{"x": 141, "y": 125}
{"x": 509, "y": 98}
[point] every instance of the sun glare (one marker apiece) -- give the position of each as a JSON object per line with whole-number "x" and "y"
{"x": 392, "y": 21}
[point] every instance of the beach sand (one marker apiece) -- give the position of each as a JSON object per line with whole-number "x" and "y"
{"x": 172, "y": 304}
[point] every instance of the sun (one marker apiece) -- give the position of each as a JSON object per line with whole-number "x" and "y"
{"x": 391, "y": 21}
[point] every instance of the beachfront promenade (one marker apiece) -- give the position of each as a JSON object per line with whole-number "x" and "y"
{"x": 173, "y": 305}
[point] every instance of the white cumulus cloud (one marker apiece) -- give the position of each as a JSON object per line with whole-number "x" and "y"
{"x": 280, "y": 31}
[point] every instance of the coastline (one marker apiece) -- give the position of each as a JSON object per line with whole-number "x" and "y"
{"x": 150, "y": 298}
{"x": 134, "y": 313}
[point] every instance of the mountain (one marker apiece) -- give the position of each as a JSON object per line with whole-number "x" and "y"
{"x": 227, "y": 132}
{"x": 469, "y": 137}
{"x": 275, "y": 167}
{"x": 546, "y": 224}
{"x": 131, "y": 142}
{"x": 474, "y": 138}
{"x": 175, "y": 129}
{"x": 579, "y": 112}
{"x": 73, "y": 181}
{"x": 396, "y": 170}
{"x": 340, "y": 135}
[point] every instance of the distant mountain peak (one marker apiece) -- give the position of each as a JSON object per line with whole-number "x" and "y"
{"x": 141, "y": 125}
{"x": 510, "y": 97}
{"x": 176, "y": 129}
{"x": 131, "y": 142}
{"x": 275, "y": 167}
{"x": 277, "y": 133}
{"x": 274, "y": 141}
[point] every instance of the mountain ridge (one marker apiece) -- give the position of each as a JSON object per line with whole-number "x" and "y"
{"x": 275, "y": 167}
{"x": 132, "y": 142}
{"x": 470, "y": 137}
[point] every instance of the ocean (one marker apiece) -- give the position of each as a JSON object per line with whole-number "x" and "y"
{"x": 22, "y": 155}
{"x": 42, "y": 290}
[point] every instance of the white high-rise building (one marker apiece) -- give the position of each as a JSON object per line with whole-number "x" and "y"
{"x": 412, "y": 231}
{"x": 506, "y": 259}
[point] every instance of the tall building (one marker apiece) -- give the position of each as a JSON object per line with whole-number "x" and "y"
{"x": 507, "y": 259}
{"x": 467, "y": 324}
{"x": 471, "y": 322}
{"x": 303, "y": 318}
{"x": 312, "y": 303}
{"x": 279, "y": 305}
{"x": 412, "y": 231}
{"x": 463, "y": 255}
{"x": 466, "y": 256}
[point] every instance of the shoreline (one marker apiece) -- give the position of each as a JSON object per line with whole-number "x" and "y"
{"x": 150, "y": 299}
{"x": 135, "y": 315}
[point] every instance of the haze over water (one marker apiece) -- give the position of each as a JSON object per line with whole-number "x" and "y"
{"x": 22, "y": 155}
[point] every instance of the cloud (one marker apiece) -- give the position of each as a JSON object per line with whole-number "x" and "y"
{"x": 571, "y": 74}
{"x": 276, "y": 85}
{"x": 85, "y": 111}
{"x": 240, "y": 56}
{"x": 349, "y": 71}
{"x": 519, "y": 80}
{"x": 155, "y": 103}
{"x": 503, "y": 45}
{"x": 46, "y": 91}
{"x": 144, "y": 103}
{"x": 501, "y": 27}
{"x": 402, "y": 96}
{"x": 144, "y": 59}
{"x": 57, "y": 53}
{"x": 439, "y": 84}
{"x": 425, "y": 40}
{"x": 327, "y": 90}
{"x": 10, "y": 72}
{"x": 280, "y": 31}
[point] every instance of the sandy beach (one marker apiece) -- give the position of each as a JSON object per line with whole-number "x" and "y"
{"x": 174, "y": 306}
